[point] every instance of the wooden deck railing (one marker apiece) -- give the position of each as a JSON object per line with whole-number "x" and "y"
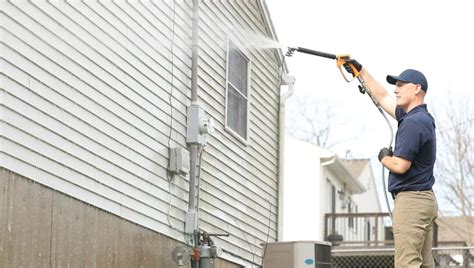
{"x": 361, "y": 230}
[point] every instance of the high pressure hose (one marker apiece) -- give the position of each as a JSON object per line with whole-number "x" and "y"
{"x": 363, "y": 89}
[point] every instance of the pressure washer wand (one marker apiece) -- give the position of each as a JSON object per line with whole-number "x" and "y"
{"x": 340, "y": 59}
{"x": 291, "y": 50}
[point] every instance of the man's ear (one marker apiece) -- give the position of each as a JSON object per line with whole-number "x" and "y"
{"x": 418, "y": 89}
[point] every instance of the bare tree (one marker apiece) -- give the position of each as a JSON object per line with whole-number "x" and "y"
{"x": 314, "y": 120}
{"x": 454, "y": 169}
{"x": 310, "y": 121}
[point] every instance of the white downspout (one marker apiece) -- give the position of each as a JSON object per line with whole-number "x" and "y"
{"x": 290, "y": 82}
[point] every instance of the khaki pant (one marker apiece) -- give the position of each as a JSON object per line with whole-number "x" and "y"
{"x": 413, "y": 217}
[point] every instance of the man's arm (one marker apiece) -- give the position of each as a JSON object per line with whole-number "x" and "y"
{"x": 379, "y": 93}
{"x": 396, "y": 164}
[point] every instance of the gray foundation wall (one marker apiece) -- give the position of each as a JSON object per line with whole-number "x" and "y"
{"x": 41, "y": 227}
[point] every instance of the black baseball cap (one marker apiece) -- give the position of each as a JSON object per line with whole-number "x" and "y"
{"x": 410, "y": 76}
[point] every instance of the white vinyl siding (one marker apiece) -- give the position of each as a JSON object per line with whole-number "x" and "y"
{"x": 239, "y": 188}
{"x": 86, "y": 102}
{"x": 93, "y": 93}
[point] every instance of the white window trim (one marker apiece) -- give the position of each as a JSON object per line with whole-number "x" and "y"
{"x": 236, "y": 135}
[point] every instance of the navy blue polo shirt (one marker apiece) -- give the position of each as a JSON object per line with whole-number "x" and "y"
{"x": 416, "y": 142}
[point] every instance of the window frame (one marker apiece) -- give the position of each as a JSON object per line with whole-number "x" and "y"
{"x": 228, "y": 128}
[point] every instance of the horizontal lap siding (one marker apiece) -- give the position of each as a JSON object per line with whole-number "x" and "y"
{"x": 87, "y": 93}
{"x": 86, "y": 104}
{"x": 239, "y": 188}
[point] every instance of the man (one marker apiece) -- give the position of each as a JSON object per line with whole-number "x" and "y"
{"x": 411, "y": 164}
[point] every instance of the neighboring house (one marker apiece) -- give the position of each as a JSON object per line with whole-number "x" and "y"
{"x": 370, "y": 227}
{"x": 456, "y": 230}
{"x": 368, "y": 201}
{"x": 317, "y": 182}
{"x": 93, "y": 94}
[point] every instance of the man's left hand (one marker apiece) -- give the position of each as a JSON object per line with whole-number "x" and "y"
{"x": 385, "y": 152}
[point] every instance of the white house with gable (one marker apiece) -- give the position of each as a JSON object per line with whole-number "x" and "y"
{"x": 318, "y": 182}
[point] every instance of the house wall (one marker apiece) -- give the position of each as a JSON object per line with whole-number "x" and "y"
{"x": 41, "y": 227}
{"x": 302, "y": 197}
{"x": 329, "y": 179}
{"x": 368, "y": 201}
{"x": 93, "y": 95}
{"x": 240, "y": 180}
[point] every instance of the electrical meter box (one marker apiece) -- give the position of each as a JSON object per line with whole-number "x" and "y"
{"x": 179, "y": 161}
{"x": 297, "y": 254}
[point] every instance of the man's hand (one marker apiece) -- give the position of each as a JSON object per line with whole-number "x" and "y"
{"x": 385, "y": 152}
{"x": 354, "y": 63}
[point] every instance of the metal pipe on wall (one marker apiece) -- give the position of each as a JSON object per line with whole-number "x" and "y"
{"x": 195, "y": 50}
{"x": 194, "y": 97}
{"x": 191, "y": 217}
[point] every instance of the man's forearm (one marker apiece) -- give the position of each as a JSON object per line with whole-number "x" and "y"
{"x": 379, "y": 92}
{"x": 373, "y": 86}
{"x": 395, "y": 164}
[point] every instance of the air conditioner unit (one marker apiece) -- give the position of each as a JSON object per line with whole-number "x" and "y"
{"x": 297, "y": 254}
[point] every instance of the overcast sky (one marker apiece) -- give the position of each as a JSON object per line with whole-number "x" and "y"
{"x": 386, "y": 37}
{"x": 434, "y": 37}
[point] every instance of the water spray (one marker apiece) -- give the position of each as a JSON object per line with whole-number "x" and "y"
{"x": 340, "y": 61}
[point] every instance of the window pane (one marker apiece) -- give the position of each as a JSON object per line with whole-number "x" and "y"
{"x": 238, "y": 69}
{"x": 237, "y": 112}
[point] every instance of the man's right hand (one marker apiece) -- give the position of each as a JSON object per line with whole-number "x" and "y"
{"x": 352, "y": 62}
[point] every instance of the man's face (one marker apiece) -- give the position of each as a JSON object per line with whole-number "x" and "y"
{"x": 405, "y": 93}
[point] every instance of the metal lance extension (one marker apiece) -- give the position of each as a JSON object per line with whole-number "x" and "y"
{"x": 340, "y": 61}
{"x": 291, "y": 50}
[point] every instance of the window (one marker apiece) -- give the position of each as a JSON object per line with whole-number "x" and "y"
{"x": 237, "y": 101}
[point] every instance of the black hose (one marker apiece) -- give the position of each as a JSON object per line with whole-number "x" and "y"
{"x": 362, "y": 82}
{"x": 383, "y": 168}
